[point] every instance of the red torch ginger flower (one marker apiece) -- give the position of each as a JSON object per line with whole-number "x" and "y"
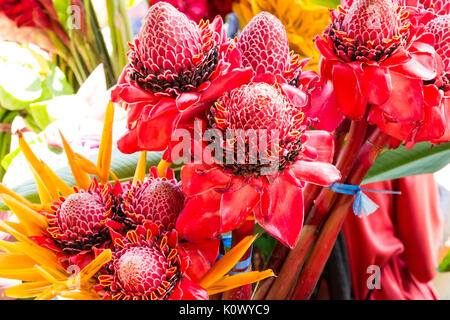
{"x": 26, "y": 13}
{"x": 439, "y": 7}
{"x": 37, "y": 14}
{"x": 151, "y": 264}
{"x": 77, "y": 223}
{"x": 155, "y": 199}
{"x": 264, "y": 46}
{"x": 374, "y": 60}
{"x": 435, "y": 126}
{"x": 176, "y": 68}
{"x": 227, "y": 192}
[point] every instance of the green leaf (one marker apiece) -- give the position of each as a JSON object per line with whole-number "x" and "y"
{"x": 327, "y": 3}
{"x": 444, "y": 266}
{"x": 56, "y": 82}
{"x": 402, "y": 162}
{"x": 62, "y": 10}
{"x": 40, "y": 116}
{"x": 16, "y": 92}
{"x": 265, "y": 242}
{"x": 123, "y": 165}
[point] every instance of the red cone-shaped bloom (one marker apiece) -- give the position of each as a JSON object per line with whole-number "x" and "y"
{"x": 150, "y": 264}
{"x": 176, "y": 69}
{"x": 435, "y": 126}
{"x": 264, "y": 47}
{"x": 375, "y": 60}
{"x": 77, "y": 224}
{"x": 221, "y": 194}
{"x": 155, "y": 199}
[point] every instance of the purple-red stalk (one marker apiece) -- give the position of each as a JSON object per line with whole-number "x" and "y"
{"x": 285, "y": 281}
{"x": 321, "y": 251}
{"x": 280, "y": 252}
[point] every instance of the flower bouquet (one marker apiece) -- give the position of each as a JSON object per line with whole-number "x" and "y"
{"x": 233, "y": 148}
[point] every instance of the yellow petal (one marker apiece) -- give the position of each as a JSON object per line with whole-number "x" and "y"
{"x": 11, "y": 247}
{"x": 27, "y": 290}
{"x": 86, "y": 165}
{"x": 105, "y": 150}
{"x": 45, "y": 274}
{"x": 24, "y": 274}
{"x": 16, "y": 260}
{"x": 17, "y": 226}
{"x": 81, "y": 178}
{"x": 238, "y": 280}
{"x": 227, "y": 262}
{"x": 48, "y": 294}
{"x": 37, "y": 166}
{"x": 44, "y": 194}
{"x": 11, "y": 193}
{"x": 33, "y": 221}
{"x": 61, "y": 186}
{"x": 139, "y": 175}
{"x": 91, "y": 269}
{"x": 162, "y": 166}
{"x": 42, "y": 256}
{"x": 79, "y": 295}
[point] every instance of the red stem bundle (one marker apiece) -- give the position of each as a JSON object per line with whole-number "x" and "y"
{"x": 285, "y": 281}
{"x": 325, "y": 242}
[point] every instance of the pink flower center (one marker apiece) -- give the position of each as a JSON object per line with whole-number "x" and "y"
{"x": 438, "y": 6}
{"x": 141, "y": 270}
{"x": 264, "y": 45}
{"x": 440, "y": 28}
{"x": 372, "y": 20}
{"x": 370, "y": 30}
{"x": 159, "y": 201}
{"x": 81, "y": 215}
{"x": 265, "y": 116}
{"x": 171, "y": 54}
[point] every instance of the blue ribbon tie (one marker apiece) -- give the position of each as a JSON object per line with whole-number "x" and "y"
{"x": 362, "y": 203}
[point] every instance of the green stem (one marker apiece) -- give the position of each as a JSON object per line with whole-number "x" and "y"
{"x": 111, "y": 78}
{"x": 321, "y": 251}
{"x": 5, "y": 138}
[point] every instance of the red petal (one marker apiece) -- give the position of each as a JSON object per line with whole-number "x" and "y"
{"x": 324, "y": 48}
{"x": 187, "y": 99}
{"x": 376, "y": 84}
{"x": 198, "y": 179}
{"x": 422, "y": 66}
{"x": 295, "y": 95}
{"x": 400, "y": 56}
{"x": 394, "y": 129}
{"x": 189, "y": 290}
{"x": 200, "y": 218}
{"x": 236, "y": 206}
{"x": 320, "y": 173}
{"x": 434, "y": 122}
{"x": 347, "y": 90}
{"x": 280, "y": 211}
{"x": 406, "y": 100}
{"x": 227, "y": 82}
{"x": 209, "y": 249}
{"x": 156, "y": 133}
{"x": 198, "y": 257}
{"x": 432, "y": 95}
{"x": 128, "y": 143}
{"x": 322, "y": 142}
{"x": 325, "y": 108}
